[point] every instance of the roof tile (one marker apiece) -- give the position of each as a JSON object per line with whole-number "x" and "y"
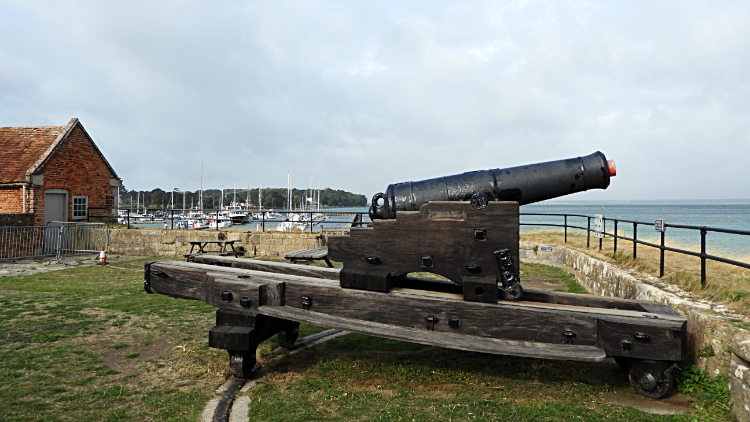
{"x": 21, "y": 147}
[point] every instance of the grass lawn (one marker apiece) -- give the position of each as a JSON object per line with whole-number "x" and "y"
{"x": 88, "y": 344}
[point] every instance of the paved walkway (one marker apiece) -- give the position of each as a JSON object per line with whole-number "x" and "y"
{"x": 28, "y": 266}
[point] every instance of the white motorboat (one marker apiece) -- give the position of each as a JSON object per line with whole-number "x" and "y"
{"x": 222, "y": 224}
{"x": 196, "y": 224}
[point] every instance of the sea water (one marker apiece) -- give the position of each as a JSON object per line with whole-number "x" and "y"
{"x": 733, "y": 215}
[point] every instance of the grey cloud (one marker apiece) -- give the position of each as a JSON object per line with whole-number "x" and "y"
{"x": 360, "y": 95}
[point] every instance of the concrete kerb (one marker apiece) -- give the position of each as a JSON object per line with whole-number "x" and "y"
{"x": 715, "y": 344}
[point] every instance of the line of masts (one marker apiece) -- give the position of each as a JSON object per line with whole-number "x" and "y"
{"x": 311, "y": 196}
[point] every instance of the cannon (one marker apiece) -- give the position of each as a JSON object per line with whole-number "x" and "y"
{"x": 523, "y": 184}
{"x": 463, "y": 227}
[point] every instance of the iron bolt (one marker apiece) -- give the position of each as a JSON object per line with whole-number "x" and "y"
{"x": 454, "y": 322}
{"x": 431, "y": 321}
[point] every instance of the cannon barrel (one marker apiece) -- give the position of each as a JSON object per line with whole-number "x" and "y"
{"x": 523, "y": 184}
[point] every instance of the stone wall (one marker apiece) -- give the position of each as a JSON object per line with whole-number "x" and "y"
{"x": 715, "y": 343}
{"x": 148, "y": 242}
{"x": 16, "y": 219}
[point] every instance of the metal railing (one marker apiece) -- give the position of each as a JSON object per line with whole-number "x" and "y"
{"x": 58, "y": 240}
{"x": 210, "y": 218}
{"x": 704, "y": 230}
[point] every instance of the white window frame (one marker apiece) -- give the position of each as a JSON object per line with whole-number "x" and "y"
{"x": 78, "y": 213}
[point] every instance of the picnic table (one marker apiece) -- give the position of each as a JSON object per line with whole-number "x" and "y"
{"x": 223, "y": 244}
{"x": 308, "y": 256}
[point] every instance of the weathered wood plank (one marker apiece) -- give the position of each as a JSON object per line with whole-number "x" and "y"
{"x": 307, "y": 254}
{"x": 656, "y": 308}
{"x": 441, "y": 339}
{"x": 237, "y": 289}
{"x": 530, "y": 295}
{"x": 236, "y": 318}
{"x": 543, "y": 324}
{"x": 179, "y": 282}
{"x": 269, "y": 266}
{"x": 652, "y": 339}
{"x": 261, "y": 276}
{"x": 445, "y": 231}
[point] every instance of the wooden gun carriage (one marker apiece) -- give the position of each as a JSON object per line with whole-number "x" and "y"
{"x": 258, "y": 299}
{"x": 456, "y": 227}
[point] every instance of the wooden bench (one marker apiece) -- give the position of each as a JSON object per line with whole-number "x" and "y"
{"x": 223, "y": 244}
{"x": 308, "y": 256}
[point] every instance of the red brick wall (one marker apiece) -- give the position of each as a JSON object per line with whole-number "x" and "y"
{"x": 11, "y": 200}
{"x": 77, "y": 168}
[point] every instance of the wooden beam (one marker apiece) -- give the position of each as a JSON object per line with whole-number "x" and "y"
{"x": 441, "y": 339}
{"x": 269, "y": 266}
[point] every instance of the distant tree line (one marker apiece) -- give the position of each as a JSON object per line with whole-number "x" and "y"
{"x": 272, "y": 198}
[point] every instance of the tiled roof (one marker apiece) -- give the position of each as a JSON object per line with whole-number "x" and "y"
{"x": 22, "y": 147}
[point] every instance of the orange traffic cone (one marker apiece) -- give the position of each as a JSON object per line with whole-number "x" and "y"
{"x": 102, "y": 258}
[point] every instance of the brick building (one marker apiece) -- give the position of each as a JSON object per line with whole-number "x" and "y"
{"x": 53, "y": 173}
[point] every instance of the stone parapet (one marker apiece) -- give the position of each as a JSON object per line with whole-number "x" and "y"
{"x": 148, "y": 242}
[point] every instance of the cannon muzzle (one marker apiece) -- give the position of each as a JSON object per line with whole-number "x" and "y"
{"x": 523, "y": 184}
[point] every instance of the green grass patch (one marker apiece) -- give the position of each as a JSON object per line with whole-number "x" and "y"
{"x": 357, "y": 377}
{"x": 539, "y": 270}
{"x": 709, "y": 390}
{"x": 88, "y": 344}
{"x": 59, "y": 337}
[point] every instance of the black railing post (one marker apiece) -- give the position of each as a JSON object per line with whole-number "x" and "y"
{"x": 217, "y": 220}
{"x": 703, "y": 257}
{"x": 588, "y": 232}
{"x": 615, "y": 236}
{"x": 604, "y": 229}
{"x": 635, "y": 240}
{"x": 172, "y": 218}
{"x": 128, "y": 217}
{"x": 311, "y": 222}
{"x": 661, "y": 258}
{"x": 566, "y": 228}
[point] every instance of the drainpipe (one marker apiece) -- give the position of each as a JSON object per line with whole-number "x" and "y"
{"x": 24, "y": 199}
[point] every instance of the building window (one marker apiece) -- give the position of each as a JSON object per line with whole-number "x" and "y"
{"x": 80, "y": 207}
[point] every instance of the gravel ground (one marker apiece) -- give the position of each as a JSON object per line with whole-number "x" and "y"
{"x": 11, "y": 268}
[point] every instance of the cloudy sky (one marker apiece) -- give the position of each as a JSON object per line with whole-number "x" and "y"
{"x": 358, "y": 95}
